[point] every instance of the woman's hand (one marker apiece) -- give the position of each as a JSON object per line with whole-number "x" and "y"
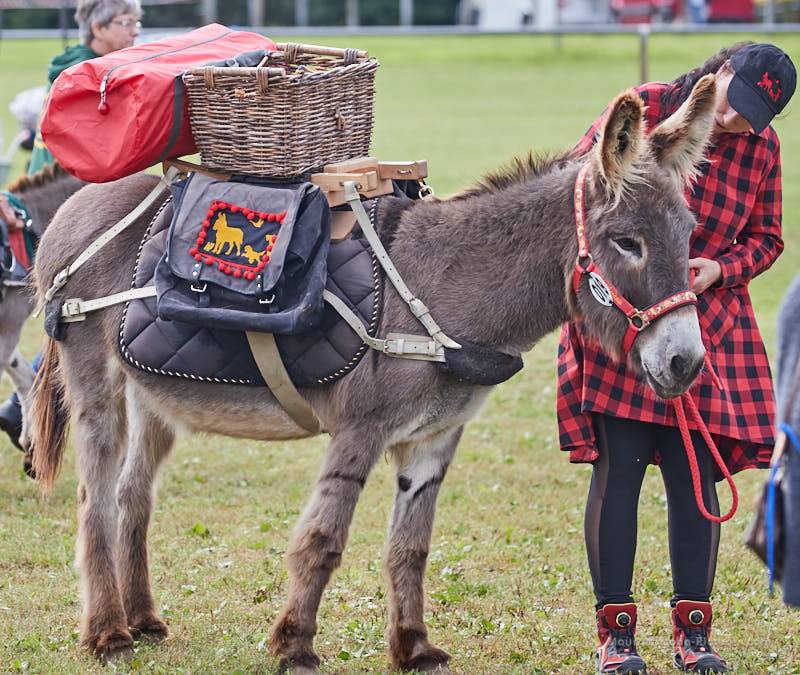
{"x": 706, "y": 273}
{"x": 9, "y": 215}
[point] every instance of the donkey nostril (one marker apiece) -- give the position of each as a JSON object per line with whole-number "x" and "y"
{"x": 679, "y": 365}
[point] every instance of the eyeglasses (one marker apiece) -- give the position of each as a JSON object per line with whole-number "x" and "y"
{"x": 128, "y": 23}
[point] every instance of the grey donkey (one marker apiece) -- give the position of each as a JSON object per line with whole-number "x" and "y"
{"x": 494, "y": 264}
{"x": 42, "y": 194}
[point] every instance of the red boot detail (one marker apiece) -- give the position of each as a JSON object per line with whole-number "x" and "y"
{"x": 691, "y": 630}
{"x": 616, "y": 628}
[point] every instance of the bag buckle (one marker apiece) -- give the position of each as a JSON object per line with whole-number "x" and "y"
{"x": 267, "y": 300}
{"x": 199, "y": 289}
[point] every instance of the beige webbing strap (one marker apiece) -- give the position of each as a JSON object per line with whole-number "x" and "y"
{"x": 420, "y": 347}
{"x": 75, "y": 309}
{"x": 63, "y": 276}
{"x": 268, "y": 359}
{"x": 417, "y": 307}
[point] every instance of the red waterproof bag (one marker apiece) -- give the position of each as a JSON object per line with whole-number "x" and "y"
{"x": 118, "y": 114}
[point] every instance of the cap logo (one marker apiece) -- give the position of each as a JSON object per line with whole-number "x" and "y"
{"x": 767, "y": 84}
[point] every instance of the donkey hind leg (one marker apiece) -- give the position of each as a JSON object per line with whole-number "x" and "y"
{"x": 318, "y": 542}
{"x": 421, "y": 468}
{"x": 98, "y": 412}
{"x": 149, "y": 442}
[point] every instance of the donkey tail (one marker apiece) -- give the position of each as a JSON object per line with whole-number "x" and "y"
{"x": 49, "y": 418}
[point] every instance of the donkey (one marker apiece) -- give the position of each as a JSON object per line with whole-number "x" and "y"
{"x": 494, "y": 265}
{"x": 42, "y": 194}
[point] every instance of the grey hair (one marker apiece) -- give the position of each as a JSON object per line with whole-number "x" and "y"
{"x": 101, "y": 11}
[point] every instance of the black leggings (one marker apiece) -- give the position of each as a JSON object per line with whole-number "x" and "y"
{"x": 611, "y": 510}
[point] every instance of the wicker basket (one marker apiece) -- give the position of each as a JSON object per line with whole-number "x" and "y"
{"x": 303, "y": 106}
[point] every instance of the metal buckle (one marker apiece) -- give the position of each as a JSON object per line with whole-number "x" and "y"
{"x": 268, "y": 300}
{"x": 587, "y": 259}
{"x": 198, "y": 289}
{"x": 642, "y": 321}
{"x": 425, "y": 190}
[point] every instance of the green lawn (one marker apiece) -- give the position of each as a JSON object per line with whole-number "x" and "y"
{"x": 508, "y": 586}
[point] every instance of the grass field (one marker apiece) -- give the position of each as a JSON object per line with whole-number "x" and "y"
{"x": 508, "y": 585}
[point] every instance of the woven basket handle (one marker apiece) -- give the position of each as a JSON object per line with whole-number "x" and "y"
{"x": 292, "y": 49}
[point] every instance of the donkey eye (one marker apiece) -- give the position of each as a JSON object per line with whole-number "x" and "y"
{"x": 628, "y": 245}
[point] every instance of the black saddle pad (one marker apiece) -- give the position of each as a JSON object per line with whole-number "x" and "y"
{"x": 203, "y": 353}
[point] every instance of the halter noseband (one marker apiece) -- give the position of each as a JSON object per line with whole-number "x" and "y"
{"x": 603, "y": 290}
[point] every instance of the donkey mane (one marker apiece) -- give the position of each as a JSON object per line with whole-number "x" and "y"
{"x": 517, "y": 170}
{"x": 48, "y": 174}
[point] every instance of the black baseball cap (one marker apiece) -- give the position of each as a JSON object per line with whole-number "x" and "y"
{"x": 762, "y": 85}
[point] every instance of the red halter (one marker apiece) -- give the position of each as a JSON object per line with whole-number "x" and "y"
{"x": 638, "y": 319}
{"x": 603, "y": 290}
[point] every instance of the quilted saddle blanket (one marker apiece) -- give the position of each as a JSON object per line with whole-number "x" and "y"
{"x": 203, "y": 353}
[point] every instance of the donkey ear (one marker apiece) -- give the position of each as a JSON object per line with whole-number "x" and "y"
{"x": 679, "y": 142}
{"x": 622, "y": 145}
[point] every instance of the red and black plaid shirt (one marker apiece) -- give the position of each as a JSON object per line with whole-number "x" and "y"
{"x": 737, "y": 203}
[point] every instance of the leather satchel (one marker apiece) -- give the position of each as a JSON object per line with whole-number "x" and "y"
{"x": 245, "y": 256}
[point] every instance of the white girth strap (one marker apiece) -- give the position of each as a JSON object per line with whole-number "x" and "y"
{"x": 63, "y": 276}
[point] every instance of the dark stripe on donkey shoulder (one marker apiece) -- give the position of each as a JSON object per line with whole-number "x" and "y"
{"x": 479, "y": 365}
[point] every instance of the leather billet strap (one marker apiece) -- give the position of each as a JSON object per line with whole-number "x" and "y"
{"x": 417, "y": 307}
{"x": 270, "y": 364}
{"x": 63, "y": 276}
{"x": 602, "y": 289}
{"x": 417, "y": 347}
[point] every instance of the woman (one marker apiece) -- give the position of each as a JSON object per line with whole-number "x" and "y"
{"x": 608, "y": 417}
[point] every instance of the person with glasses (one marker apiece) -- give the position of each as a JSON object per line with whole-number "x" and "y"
{"x": 104, "y": 26}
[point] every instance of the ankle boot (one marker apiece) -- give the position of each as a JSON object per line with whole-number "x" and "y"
{"x": 691, "y": 629}
{"x": 616, "y": 629}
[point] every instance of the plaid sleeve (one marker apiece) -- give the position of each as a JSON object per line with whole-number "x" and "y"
{"x": 759, "y": 243}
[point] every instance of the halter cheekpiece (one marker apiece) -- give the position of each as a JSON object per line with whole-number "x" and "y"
{"x": 602, "y": 290}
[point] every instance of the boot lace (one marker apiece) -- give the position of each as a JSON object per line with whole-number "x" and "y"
{"x": 698, "y": 639}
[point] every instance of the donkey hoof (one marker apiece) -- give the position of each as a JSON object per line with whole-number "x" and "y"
{"x": 305, "y": 664}
{"x": 111, "y": 645}
{"x": 425, "y": 658}
{"x": 149, "y": 629}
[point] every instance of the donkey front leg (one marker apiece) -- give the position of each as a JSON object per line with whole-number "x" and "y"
{"x": 98, "y": 409}
{"x": 149, "y": 442}
{"x": 318, "y": 542}
{"x": 421, "y": 468}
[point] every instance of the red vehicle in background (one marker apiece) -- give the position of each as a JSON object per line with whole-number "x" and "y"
{"x": 731, "y": 11}
{"x": 645, "y": 11}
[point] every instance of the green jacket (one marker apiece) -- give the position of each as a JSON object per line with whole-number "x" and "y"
{"x": 75, "y": 54}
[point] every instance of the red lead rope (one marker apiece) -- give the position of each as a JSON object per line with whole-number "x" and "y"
{"x": 680, "y": 415}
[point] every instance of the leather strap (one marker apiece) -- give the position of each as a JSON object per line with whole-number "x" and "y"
{"x": 63, "y": 276}
{"x": 75, "y": 309}
{"x": 268, "y": 359}
{"x": 399, "y": 345}
{"x": 417, "y": 307}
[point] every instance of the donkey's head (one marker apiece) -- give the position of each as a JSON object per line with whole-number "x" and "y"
{"x": 638, "y": 227}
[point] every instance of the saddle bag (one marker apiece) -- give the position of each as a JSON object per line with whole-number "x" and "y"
{"x": 245, "y": 256}
{"x": 118, "y": 114}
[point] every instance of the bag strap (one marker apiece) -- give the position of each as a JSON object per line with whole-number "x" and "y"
{"x": 417, "y": 307}
{"x": 269, "y": 362}
{"x": 63, "y": 276}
